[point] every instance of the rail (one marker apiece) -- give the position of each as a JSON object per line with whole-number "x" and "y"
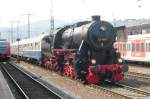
{"x": 24, "y": 82}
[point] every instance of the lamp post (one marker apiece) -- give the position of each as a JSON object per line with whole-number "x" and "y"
{"x": 52, "y": 18}
{"x": 18, "y": 36}
{"x": 114, "y": 19}
{"x": 18, "y": 39}
{"x": 18, "y": 60}
{"x": 140, "y": 6}
{"x": 28, "y": 15}
{"x": 11, "y": 23}
{"x": 51, "y": 25}
{"x": 0, "y": 33}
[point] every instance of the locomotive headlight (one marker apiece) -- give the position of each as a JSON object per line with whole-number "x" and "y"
{"x": 93, "y": 61}
{"x": 120, "y": 60}
{"x": 103, "y": 28}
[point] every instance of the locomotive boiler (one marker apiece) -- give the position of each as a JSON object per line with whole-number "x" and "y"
{"x": 98, "y": 34}
{"x": 85, "y": 50}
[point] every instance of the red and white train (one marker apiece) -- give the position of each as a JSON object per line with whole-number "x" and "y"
{"x": 4, "y": 50}
{"x": 137, "y": 48}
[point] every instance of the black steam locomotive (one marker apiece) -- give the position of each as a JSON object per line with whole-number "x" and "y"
{"x": 85, "y": 51}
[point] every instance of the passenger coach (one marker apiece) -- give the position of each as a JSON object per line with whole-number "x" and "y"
{"x": 137, "y": 48}
{"x": 4, "y": 50}
{"x": 31, "y": 49}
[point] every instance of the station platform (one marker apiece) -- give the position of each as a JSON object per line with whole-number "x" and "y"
{"x": 5, "y": 92}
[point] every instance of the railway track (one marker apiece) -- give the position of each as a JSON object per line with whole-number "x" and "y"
{"x": 123, "y": 90}
{"x": 28, "y": 86}
{"x": 141, "y": 94}
{"x": 139, "y": 76}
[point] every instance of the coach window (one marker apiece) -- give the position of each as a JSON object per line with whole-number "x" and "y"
{"x": 115, "y": 46}
{"x": 137, "y": 47}
{"x": 149, "y": 47}
{"x": 120, "y": 47}
{"x": 133, "y": 47}
{"x": 28, "y": 46}
{"x": 36, "y": 45}
{"x": 31, "y": 46}
{"x": 130, "y": 33}
{"x": 146, "y": 47}
{"x": 129, "y": 47}
{"x": 25, "y": 46}
{"x": 39, "y": 45}
{"x": 124, "y": 47}
{"x": 142, "y": 47}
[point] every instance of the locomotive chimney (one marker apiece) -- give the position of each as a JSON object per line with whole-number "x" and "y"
{"x": 96, "y": 18}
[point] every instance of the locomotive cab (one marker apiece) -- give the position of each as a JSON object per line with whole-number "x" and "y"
{"x": 46, "y": 48}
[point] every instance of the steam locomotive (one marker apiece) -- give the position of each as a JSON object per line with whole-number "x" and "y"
{"x": 83, "y": 50}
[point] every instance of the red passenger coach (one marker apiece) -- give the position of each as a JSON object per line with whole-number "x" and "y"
{"x": 137, "y": 48}
{"x": 4, "y": 50}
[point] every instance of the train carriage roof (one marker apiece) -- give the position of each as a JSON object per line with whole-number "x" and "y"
{"x": 138, "y": 36}
{"x": 32, "y": 40}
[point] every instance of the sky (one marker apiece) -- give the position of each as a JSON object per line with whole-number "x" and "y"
{"x": 14, "y": 10}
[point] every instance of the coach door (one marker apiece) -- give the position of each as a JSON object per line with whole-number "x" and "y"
{"x": 121, "y": 47}
{"x": 138, "y": 48}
